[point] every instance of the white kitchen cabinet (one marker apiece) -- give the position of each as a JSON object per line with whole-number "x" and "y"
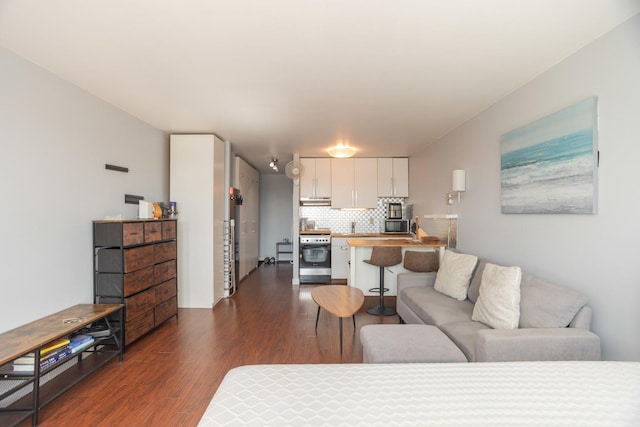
{"x": 393, "y": 177}
{"x": 315, "y": 181}
{"x": 354, "y": 183}
{"x": 339, "y": 258}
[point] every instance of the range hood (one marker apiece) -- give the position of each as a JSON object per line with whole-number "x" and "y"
{"x": 324, "y": 201}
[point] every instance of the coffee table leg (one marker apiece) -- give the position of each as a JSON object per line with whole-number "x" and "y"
{"x": 353, "y": 316}
{"x": 340, "y": 334}
{"x": 317, "y": 317}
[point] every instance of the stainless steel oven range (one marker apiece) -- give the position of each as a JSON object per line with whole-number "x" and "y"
{"x": 315, "y": 259}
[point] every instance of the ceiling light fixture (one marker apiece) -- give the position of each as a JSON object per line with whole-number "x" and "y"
{"x": 341, "y": 151}
{"x": 274, "y": 164}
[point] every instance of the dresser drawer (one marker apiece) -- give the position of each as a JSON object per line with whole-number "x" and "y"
{"x": 118, "y": 233}
{"x": 118, "y": 285}
{"x": 132, "y": 233}
{"x": 111, "y": 260}
{"x": 165, "y": 310}
{"x": 169, "y": 230}
{"x": 164, "y": 251}
{"x": 139, "y": 326}
{"x": 138, "y": 281}
{"x": 152, "y": 232}
{"x": 139, "y": 303}
{"x": 137, "y": 258}
{"x": 163, "y": 272}
{"x": 166, "y": 290}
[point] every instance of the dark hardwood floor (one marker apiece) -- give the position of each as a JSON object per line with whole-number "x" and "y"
{"x": 168, "y": 377}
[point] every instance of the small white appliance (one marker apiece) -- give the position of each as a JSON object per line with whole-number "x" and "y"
{"x": 145, "y": 209}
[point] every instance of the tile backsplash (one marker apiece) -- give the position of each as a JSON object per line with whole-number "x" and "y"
{"x": 367, "y": 221}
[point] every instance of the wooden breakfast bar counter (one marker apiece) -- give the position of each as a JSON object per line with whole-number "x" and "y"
{"x": 365, "y": 276}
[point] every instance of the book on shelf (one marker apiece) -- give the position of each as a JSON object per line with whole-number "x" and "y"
{"x": 27, "y": 359}
{"x": 56, "y": 355}
{"x": 78, "y": 340}
{"x": 45, "y": 361}
{"x": 55, "y": 351}
{"x": 23, "y": 368}
{"x": 82, "y": 346}
{"x": 47, "y": 348}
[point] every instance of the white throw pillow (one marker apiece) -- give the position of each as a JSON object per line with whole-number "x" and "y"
{"x": 498, "y": 304}
{"x": 454, "y": 274}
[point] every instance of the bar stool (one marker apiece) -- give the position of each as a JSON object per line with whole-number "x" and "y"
{"x": 383, "y": 257}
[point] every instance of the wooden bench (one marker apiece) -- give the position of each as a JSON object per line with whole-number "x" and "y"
{"x": 32, "y": 337}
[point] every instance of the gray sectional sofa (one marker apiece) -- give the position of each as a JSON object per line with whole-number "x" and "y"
{"x": 554, "y": 322}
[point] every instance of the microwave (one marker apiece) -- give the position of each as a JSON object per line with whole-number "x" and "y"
{"x": 397, "y": 226}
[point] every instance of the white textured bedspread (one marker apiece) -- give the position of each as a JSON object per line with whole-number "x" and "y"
{"x": 430, "y": 394}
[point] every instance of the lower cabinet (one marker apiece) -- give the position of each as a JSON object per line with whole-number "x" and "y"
{"x": 135, "y": 264}
{"x": 339, "y": 258}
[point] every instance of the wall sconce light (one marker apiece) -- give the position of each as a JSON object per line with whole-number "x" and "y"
{"x": 341, "y": 151}
{"x": 459, "y": 181}
{"x": 274, "y": 164}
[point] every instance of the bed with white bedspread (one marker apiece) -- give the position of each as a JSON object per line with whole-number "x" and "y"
{"x": 429, "y": 394}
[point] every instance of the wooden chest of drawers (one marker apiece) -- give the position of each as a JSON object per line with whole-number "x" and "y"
{"x": 135, "y": 265}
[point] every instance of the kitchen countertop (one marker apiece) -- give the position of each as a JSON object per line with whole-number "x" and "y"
{"x": 380, "y": 235}
{"x": 315, "y": 232}
{"x": 393, "y": 243}
{"x": 356, "y": 235}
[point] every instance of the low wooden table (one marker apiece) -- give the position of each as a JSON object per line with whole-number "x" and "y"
{"x": 339, "y": 300}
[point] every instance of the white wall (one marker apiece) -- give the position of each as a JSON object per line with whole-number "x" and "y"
{"x": 56, "y": 140}
{"x": 276, "y": 217}
{"x": 597, "y": 254}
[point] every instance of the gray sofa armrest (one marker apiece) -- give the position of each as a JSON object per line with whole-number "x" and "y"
{"x": 415, "y": 280}
{"x": 525, "y": 344}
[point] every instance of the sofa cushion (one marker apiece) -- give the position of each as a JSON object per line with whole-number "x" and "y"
{"x": 544, "y": 305}
{"x": 407, "y": 344}
{"x": 464, "y": 335}
{"x": 454, "y": 274}
{"x": 499, "y": 302}
{"x": 435, "y": 308}
{"x": 474, "y": 286}
{"x": 420, "y": 262}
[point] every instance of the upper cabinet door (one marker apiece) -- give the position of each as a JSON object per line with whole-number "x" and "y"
{"x": 354, "y": 183}
{"x": 323, "y": 178}
{"x": 308, "y": 178}
{"x": 366, "y": 183}
{"x": 393, "y": 177}
{"x": 401, "y": 176}
{"x": 315, "y": 181}
{"x": 342, "y": 183}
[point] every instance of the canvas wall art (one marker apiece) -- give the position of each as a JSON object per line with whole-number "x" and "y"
{"x": 550, "y": 166}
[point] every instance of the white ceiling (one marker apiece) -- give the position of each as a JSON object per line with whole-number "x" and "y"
{"x": 282, "y": 76}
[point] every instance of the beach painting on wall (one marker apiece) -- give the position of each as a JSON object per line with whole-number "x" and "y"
{"x": 550, "y": 166}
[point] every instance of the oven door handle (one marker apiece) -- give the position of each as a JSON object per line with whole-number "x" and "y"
{"x": 314, "y": 245}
